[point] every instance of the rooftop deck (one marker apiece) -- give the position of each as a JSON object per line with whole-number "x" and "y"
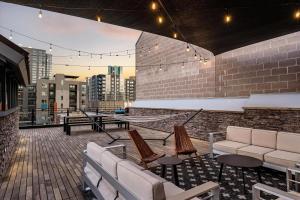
{"x": 47, "y": 164}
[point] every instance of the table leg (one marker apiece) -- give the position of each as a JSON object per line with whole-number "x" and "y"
{"x": 175, "y": 174}
{"x": 258, "y": 174}
{"x": 243, "y": 180}
{"x": 163, "y": 171}
{"x": 220, "y": 173}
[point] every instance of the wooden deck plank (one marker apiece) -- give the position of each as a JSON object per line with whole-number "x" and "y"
{"x": 47, "y": 164}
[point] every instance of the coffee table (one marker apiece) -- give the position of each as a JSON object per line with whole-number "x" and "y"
{"x": 171, "y": 161}
{"x": 240, "y": 161}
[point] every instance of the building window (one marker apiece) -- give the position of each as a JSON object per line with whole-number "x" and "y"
{"x": 61, "y": 97}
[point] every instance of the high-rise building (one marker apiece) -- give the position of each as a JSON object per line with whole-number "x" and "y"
{"x": 97, "y": 86}
{"x": 130, "y": 89}
{"x": 40, "y": 64}
{"x": 115, "y": 84}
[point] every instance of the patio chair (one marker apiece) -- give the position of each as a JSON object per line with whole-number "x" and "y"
{"x": 146, "y": 153}
{"x": 293, "y": 187}
{"x": 183, "y": 143}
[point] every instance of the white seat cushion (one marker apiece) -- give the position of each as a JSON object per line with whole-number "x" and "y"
{"x": 94, "y": 151}
{"x": 92, "y": 175}
{"x": 139, "y": 183}
{"x": 288, "y": 142}
{"x": 109, "y": 163}
{"x": 228, "y": 146}
{"x": 264, "y": 138}
{"x": 254, "y": 151}
{"x": 291, "y": 192}
{"x": 172, "y": 190}
{"x": 239, "y": 134}
{"x": 282, "y": 158}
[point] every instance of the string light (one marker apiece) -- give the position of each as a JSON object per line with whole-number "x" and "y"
{"x": 187, "y": 48}
{"x": 10, "y": 35}
{"x": 160, "y": 19}
{"x": 78, "y": 54}
{"x": 153, "y": 5}
{"x": 98, "y": 18}
{"x": 160, "y": 68}
{"x": 156, "y": 46}
{"x": 297, "y": 14}
{"x": 50, "y": 48}
{"x": 227, "y": 18}
{"x": 40, "y": 14}
{"x": 175, "y": 35}
{"x": 182, "y": 66}
{"x": 89, "y": 67}
{"x": 195, "y": 55}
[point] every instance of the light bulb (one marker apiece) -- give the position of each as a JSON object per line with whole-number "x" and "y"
{"x": 79, "y": 54}
{"x": 10, "y": 35}
{"x": 160, "y": 19}
{"x": 50, "y": 48}
{"x": 160, "y": 68}
{"x": 40, "y": 14}
{"x": 89, "y": 67}
{"x": 98, "y": 18}
{"x": 156, "y": 46}
{"x": 153, "y": 6}
{"x": 187, "y": 48}
{"x": 175, "y": 35}
{"x": 182, "y": 66}
{"x": 195, "y": 56}
{"x": 297, "y": 14}
{"x": 227, "y": 18}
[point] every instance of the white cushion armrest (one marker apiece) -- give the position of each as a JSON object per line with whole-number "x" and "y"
{"x": 123, "y": 146}
{"x": 197, "y": 191}
{"x": 257, "y": 188}
{"x": 298, "y": 165}
{"x": 212, "y": 140}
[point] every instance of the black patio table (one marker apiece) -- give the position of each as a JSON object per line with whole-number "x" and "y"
{"x": 240, "y": 161}
{"x": 171, "y": 161}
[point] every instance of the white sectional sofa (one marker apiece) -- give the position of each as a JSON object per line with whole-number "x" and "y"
{"x": 278, "y": 150}
{"x": 110, "y": 177}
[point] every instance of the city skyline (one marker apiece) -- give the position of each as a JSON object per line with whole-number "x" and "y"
{"x": 71, "y": 32}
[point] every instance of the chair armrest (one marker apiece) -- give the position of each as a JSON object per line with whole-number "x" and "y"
{"x": 257, "y": 188}
{"x": 197, "y": 191}
{"x": 212, "y": 140}
{"x": 298, "y": 165}
{"x": 123, "y": 146}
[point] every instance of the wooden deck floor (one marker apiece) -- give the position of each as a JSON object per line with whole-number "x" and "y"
{"x": 47, "y": 164}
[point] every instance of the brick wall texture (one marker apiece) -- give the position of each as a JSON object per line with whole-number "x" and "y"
{"x": 9, "y": 127}
{"x": 211, "y": 121}
{"x": 271, "y": 66}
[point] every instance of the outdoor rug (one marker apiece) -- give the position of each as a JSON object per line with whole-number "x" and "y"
{"x": 197, "y": 170}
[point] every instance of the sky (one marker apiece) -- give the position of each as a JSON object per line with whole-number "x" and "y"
{"x": 71, "y": 32}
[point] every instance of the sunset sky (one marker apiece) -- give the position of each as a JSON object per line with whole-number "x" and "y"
{"x": 71, "y": 32}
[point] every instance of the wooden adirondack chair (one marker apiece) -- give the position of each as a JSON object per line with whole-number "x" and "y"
{"x": 183, "y": 143}
{"x": 146, "y": 153}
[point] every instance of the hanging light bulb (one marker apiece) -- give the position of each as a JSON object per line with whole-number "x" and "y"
{"x": 10, "y": 35}
{"x": 89, "y": 67}
{"x": 156, "y": 46}
{"x": 50, "y": 48}
{"x": 187, "y": 48}
{"x": 136, "y": 70}
{"x": 182, "y": 66}
{"x": 227, "y": 18}
{"x": 175, "y": 35}
{"x": 160, "y": 68}
{"x": 98, "y": 18}
{"x": 40, "y": 14}
{"x": 160, "y": 19}
{"x": 79, "y": 54}
{"x": 297, "y": 14}
{"x": 149, "y": 51}
{"x": 153, "y": 5}
{"x": 195, "y": 56}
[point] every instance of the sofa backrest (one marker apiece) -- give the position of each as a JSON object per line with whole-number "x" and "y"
{"x": 288, "y": 142}
{"x": 264, "y": 138}
{"x": 109, "y": 163}
{"x": 139, "y": 183}
{"x": 95, "y": 151}
{"x": 239, "y": 134}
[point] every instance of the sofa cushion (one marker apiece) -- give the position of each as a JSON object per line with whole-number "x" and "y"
{"x": 109, "y": 163}
{"x": 254, "y": 151}
{"x": 228, "y": 146}
{"x": 264, "y": 138}
{"x": 282, "y": 158}
{"x": 92, "y": 174}
{"x": 141, "y": 184}
{"x": 239, "y": 134}
{"x": 172, "y": 190}
{"x": 288, "y": 142}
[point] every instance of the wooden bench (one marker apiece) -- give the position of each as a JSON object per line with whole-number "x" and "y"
{"x": 68, "y": 126}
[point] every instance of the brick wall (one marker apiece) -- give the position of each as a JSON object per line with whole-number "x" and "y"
{"x": 194, "y": 80}
{"x": 9, "y": 127}
{"x": 211, "y": 121}
{"x": 271, "y": 66}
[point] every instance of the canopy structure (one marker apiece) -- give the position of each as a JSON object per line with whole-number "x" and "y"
{"x": 197, "y": 22}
